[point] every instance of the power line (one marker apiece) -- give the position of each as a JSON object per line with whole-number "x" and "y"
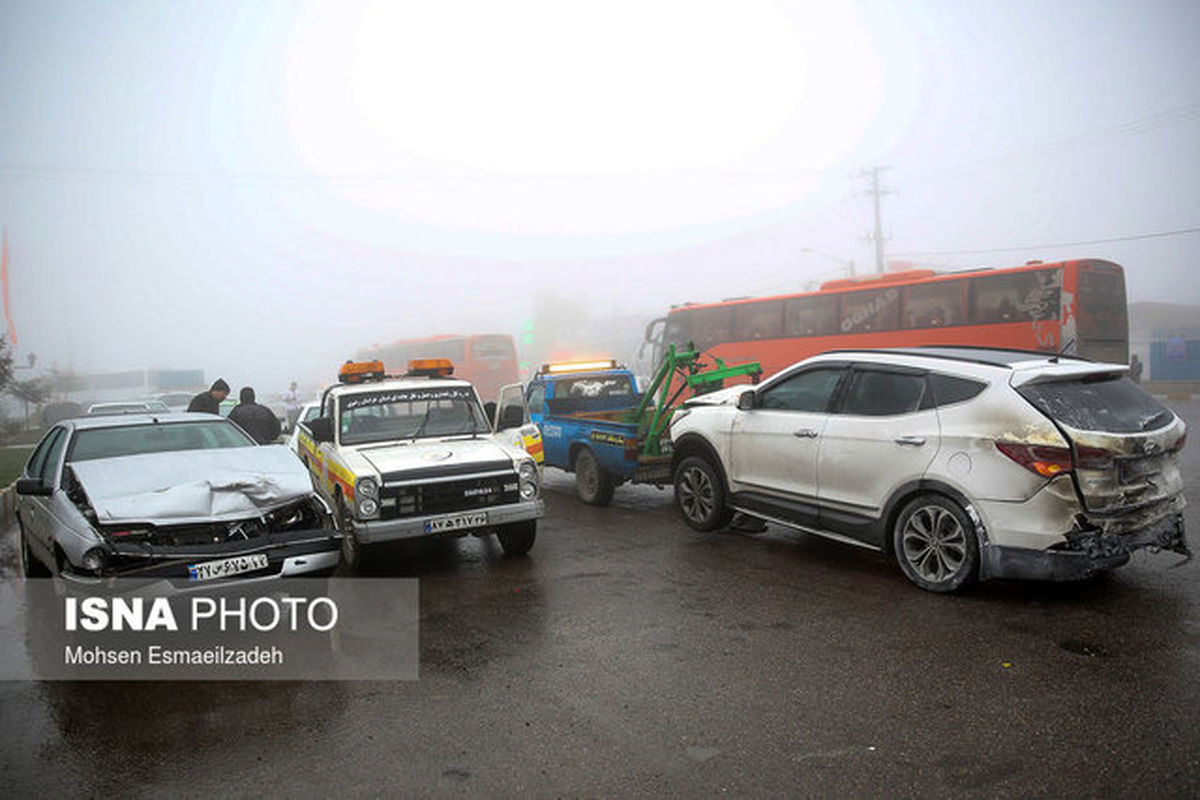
{"x": 1160, "y": 234}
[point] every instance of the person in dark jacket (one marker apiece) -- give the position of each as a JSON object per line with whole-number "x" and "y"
{"x": 257, "y": 420}
{"x": 210, "y": 401}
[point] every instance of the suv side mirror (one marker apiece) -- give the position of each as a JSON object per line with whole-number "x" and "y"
{"x": 747, "y": 401}
{"x": 512, "y": 416}
{"x": 33, "y": 486}
{"x": 321, "y": 429}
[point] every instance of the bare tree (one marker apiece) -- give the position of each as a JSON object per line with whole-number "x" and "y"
{"x": 34, "y": 390}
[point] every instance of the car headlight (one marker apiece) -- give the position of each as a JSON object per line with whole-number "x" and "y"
{"x": 367, "y": 487}
{"x": 367, "y": 507}
{"x": 93, "y": 560}
{"x": 528, "y": 475}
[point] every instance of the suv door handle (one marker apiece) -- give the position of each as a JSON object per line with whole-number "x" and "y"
{"x": 806, "y": 433}
{"x": 915, "y": 441}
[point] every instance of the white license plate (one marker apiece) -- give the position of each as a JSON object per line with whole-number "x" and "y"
{"x": 208, "y": 570}
{"x": 456, "y": 523}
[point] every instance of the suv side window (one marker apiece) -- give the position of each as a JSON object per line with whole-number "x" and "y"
{"x": 948, "y": 389}
{"x": 810, "y": 390}
{"x": 874, "y": 393}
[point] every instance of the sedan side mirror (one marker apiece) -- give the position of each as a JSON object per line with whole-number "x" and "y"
{"x": 34, "y": 486}
{"x": 747, "y": 401}
{"x": 321, "y": 429}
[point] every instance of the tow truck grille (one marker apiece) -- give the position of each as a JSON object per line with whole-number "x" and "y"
{"x": 448, "y": 496}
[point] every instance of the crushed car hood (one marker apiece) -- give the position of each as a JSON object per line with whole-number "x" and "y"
{"x": 725, "y": 396}
{"x": 209, "y": 485}
{"x": 392, "y": 461}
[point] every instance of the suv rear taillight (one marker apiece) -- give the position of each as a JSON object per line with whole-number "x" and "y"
{"x": 1043, "y": 459}
{"x": 1179, "y": 443}
{"x": 1049, "y": 461}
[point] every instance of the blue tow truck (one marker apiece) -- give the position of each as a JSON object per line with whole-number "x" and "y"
{"x": 596, "y": 423}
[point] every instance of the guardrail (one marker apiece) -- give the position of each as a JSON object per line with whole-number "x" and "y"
{"x": 8, "y": 505}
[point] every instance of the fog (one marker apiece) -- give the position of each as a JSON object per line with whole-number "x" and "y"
{"x": 260, "y": 189}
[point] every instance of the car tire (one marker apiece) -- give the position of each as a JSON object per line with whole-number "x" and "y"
{"x": 935, "y": 544}
{"x": 31, "y": 567}
{"x": 352, "y": 548}
{"x": 516, "y": 538}
{"x": 700, "y": 495}
{"x": 593, "y": 485}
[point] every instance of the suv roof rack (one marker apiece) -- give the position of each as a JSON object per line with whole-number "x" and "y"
{"x": 991, "y": 356}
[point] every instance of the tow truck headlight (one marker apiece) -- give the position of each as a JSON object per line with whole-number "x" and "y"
{"x": 528, "y": 475}
{"x": 367, "y": 487}
{"x": 367, "y": 507}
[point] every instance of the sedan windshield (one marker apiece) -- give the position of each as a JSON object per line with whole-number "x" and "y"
{"x": 411, "y": 414}
{"x": 129, "y": 440}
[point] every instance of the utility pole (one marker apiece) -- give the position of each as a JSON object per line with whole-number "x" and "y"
{"x": 876, "y": 193}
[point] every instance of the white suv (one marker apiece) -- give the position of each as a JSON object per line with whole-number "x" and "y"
{"x": 964, "y": 463}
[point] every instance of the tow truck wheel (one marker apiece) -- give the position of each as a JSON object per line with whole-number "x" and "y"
{"x": 593, "y": 485}
{"x": 517, "y": 537}
{"x": 30, "y": 566}
{"x": 351, "y": 547}
{"x": 700, "y": 495}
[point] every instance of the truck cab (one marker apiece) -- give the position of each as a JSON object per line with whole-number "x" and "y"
{"x": 401, "y": 457}
{"x": 587, "y": 412}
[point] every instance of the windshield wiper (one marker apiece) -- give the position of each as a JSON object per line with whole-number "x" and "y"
{"x": 1146, "y": 423}
{"x": 421, "y": 427}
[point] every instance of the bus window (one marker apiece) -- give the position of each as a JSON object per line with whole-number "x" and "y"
{"x": 1018, "y": 297}
{"x": 1102, "y": 310}
{"x": 492, "y": 347}
{"x": 933, "y": 305}
{"x": 763, "y": 320}
{"x": 811, "y": 316}
{"x": 678, "y": 329}
{"x": 712, "y": 326}
{"x": 864, "y": 312}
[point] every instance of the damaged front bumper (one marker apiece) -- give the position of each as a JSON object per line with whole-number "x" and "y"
{"x": 1085, "y": 553}
{"x": 288, "y": 553}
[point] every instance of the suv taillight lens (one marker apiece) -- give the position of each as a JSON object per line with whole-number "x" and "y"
{"x": 1092, "y": 458}
{"x": 1043, "y": 459}
{"x": 1179, "y": 443}
{"x": 1049, "y": 461}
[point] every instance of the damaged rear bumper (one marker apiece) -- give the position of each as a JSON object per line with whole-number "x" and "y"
{"x": 1084, "y": 554}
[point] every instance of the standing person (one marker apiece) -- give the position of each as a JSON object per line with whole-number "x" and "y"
{"x": 291, "y": 404}
{"x": 210, "y": 401}
{"x": 255, "y": 419}
{"x": 1135, "y": 368}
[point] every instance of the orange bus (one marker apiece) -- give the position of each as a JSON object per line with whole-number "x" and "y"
{"x": 487, "y": 360}
{"x": 1075, "y": 307}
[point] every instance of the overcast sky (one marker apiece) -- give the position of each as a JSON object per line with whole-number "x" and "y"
{"x": 260, "y": 188}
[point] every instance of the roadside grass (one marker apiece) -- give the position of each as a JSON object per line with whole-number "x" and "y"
{"x": 12, "y": 461}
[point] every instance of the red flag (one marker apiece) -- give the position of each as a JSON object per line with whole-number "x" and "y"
{"x": 12, "y": 329}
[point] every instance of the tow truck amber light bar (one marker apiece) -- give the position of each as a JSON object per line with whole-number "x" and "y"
{"x": 430, "y": 368}
{"x": 579, "y": 366}
{"x": 359, "y": 371}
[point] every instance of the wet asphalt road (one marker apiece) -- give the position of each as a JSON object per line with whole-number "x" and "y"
{"x": 628, "y": 655}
